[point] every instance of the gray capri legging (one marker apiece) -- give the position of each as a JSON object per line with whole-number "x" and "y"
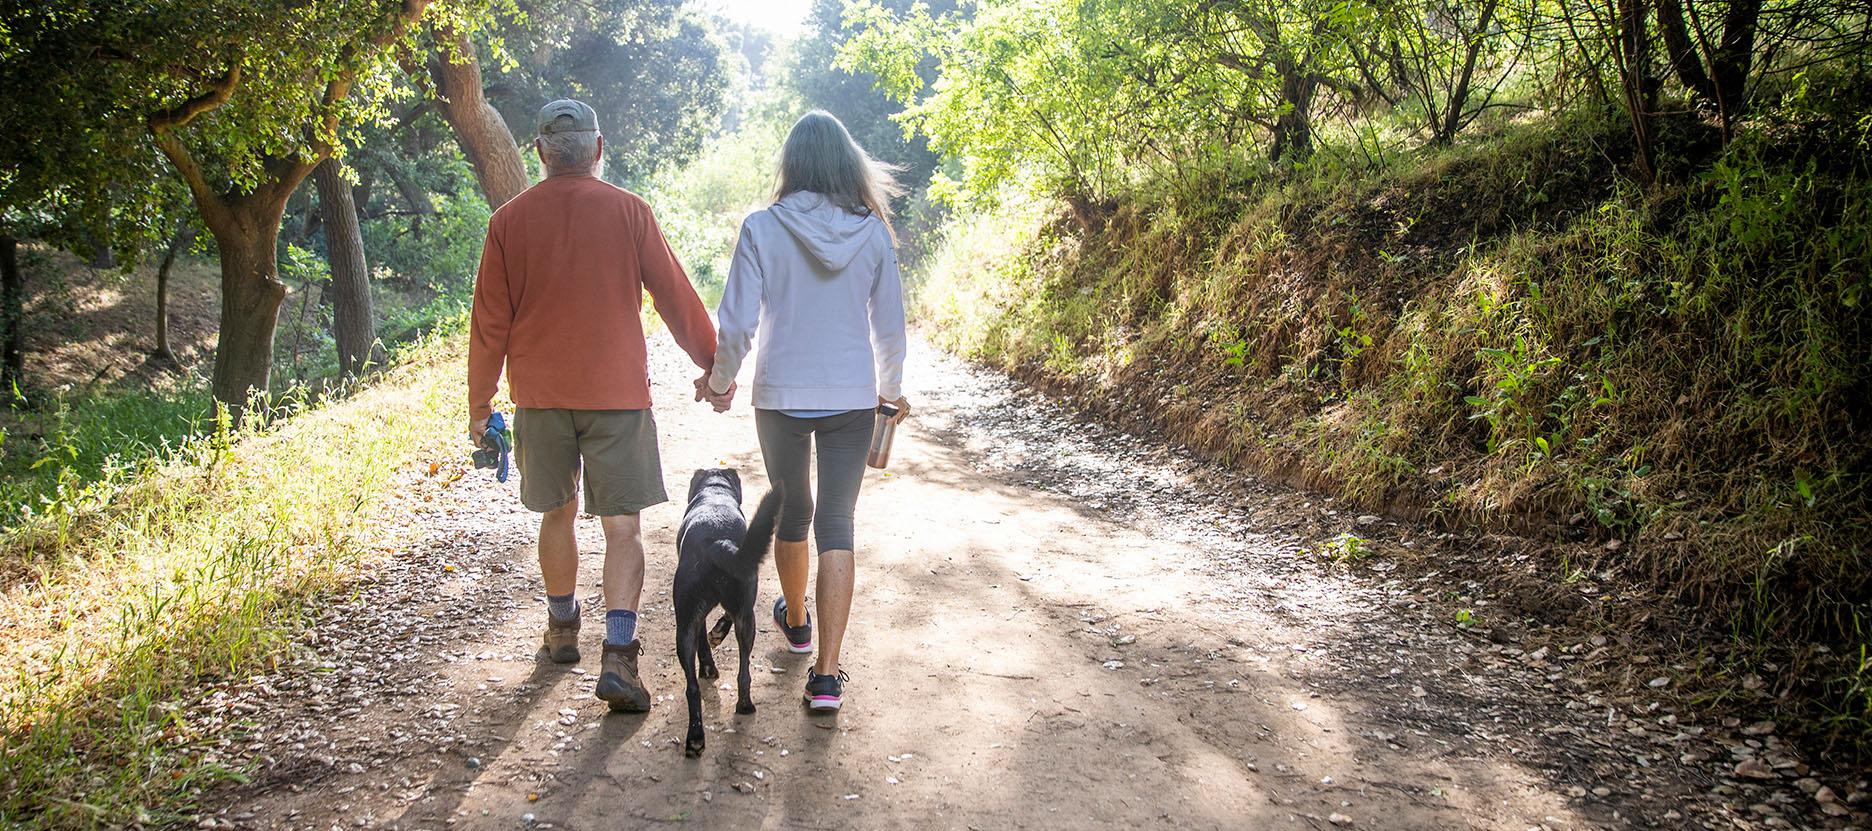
{"x": 842, "y": 441}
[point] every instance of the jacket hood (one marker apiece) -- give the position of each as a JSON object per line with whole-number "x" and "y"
{"x": 832, "y": 234}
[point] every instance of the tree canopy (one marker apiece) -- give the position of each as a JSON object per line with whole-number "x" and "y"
{"x": 657, "y": 74}
{"x": 242, "y": 100}
{"x": 1074, "y": 97}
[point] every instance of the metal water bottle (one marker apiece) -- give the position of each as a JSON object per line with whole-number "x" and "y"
{"x": 883, "y": 426}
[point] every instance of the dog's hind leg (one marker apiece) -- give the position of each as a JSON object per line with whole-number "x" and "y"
{"x": 744, "y": 638}
{"x": 720, "y": 632}
{"x": 687, "y": 634}
{"x": 705, "y": 650}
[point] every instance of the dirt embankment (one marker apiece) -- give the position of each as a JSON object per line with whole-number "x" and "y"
{"x": 88, "y": 326}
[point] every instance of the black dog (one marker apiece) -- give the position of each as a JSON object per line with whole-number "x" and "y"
{"x": 719, "y": 557}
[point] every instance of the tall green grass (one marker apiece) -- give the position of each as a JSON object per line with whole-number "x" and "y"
{"x": 197, "y": 569}
{"x": 78, "y": 440}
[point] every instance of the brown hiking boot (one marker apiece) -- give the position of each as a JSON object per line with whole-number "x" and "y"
{"x": 561, "y": 642}
{"x": 618, "y": 684}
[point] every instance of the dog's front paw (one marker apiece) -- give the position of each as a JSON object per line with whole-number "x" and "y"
{"x": 693, "y": 747}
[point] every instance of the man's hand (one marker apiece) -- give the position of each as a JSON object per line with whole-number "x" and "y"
{"x": 477, "y": 429}
{"x": 722, "y": 401}
{"x": 903, "y": 408}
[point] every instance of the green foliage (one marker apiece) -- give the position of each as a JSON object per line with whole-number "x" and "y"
{"x": 1071, "y": 97}
{"x": 656, "y": 73}
{"x": 1345, "y": 549}
{"x": 1015, "y": 82}
{"x": 444, "y": 253}
{"x": 85, "y": 80}
{"x": 148, "y": 588}
{"x": 815, "y": 79}
{"x": 85, "y": 439}
{"x": 700, "y": 206}
{"x": 1085, "y": 98}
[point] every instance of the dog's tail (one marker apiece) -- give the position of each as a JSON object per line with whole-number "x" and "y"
{"x": 760, "y": 530}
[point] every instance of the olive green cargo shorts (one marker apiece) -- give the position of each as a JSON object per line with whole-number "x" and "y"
{"x": 618, "y": 449}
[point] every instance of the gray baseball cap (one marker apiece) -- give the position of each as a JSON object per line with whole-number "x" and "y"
{"x": 567, "y": 116}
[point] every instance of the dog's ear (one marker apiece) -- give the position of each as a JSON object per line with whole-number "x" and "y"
{"x": 696, "y": 479}
{"x": 734, "y": 480}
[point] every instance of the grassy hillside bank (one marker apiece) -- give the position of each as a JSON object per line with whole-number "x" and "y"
{"x": 1661, "y": 387}
{"x": 128, "y": 603}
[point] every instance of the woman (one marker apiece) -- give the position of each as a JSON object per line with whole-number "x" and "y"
{"x": 816, "y": 274}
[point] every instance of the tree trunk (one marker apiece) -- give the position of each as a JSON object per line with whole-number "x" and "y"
{"x": 176, "y": 244}
{"x": 1687, "y": 47}
{"x": 12, "y": 318}
{"x": 1293, "y": 130}
{"x": 1640, "y": 87}
{"x": 1459, "y": 94}
{"x": 361, "y": 192}
{"x": 251, "y": 294}
{"x": 300, "y": 205}
{"x": 414, "y": 195}
{"x": 483, "y": 136}
{"x": 246, "y": 225}
{"x": 1680, "y": 50}
{"x": 1736, "y": 56}
{"x": 102, "y": 257}
{"x": 350, "y": 277}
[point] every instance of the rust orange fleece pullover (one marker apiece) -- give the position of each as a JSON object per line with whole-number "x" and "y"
{"x": 559, "y": 298}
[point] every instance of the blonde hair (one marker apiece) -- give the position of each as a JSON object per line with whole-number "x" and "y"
{"x": 820, "y": 157}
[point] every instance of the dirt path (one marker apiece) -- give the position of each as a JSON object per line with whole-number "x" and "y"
{"x": 1057, "y": 626}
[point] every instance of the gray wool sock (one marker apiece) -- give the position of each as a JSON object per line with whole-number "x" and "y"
{"x": 620, "y": 626}
{"x": 562, "y": 606}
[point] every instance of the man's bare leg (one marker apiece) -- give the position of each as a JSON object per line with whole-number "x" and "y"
{"x": 558, "y": 549}
{"x": 624, "y": 561}
{"x": 618, "y": 683}
{"x": 558, "y": 559}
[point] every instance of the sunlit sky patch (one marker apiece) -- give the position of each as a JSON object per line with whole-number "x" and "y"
{"x": 782, "y": 17}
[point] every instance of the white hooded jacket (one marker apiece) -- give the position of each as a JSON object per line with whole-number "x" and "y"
{"x": 820, "y": 286}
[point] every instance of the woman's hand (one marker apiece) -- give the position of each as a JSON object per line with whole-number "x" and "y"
{"x": 720, "y": 401}
{"x": 903, "y": 408}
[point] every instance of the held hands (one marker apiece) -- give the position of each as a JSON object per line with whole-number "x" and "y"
{"x": 720, "y": 401}
{"x": 477, "y": 428}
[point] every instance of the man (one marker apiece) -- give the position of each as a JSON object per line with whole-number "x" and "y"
{"x": 558, "y": 299}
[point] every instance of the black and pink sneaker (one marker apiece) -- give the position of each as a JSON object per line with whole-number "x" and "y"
{"x": 825, "y": 692}
{"x": 798, "y": 638}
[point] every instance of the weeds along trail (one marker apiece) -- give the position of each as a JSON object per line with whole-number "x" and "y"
{"x": 127, "y": 606}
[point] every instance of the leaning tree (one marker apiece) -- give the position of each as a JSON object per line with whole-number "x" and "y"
{"x": 653, "y": 70}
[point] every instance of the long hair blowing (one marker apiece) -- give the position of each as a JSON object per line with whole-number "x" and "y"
{"x": 821, "y": 157}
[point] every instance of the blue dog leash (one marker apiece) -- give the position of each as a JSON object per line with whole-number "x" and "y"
{"x": 496, "y": 447}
